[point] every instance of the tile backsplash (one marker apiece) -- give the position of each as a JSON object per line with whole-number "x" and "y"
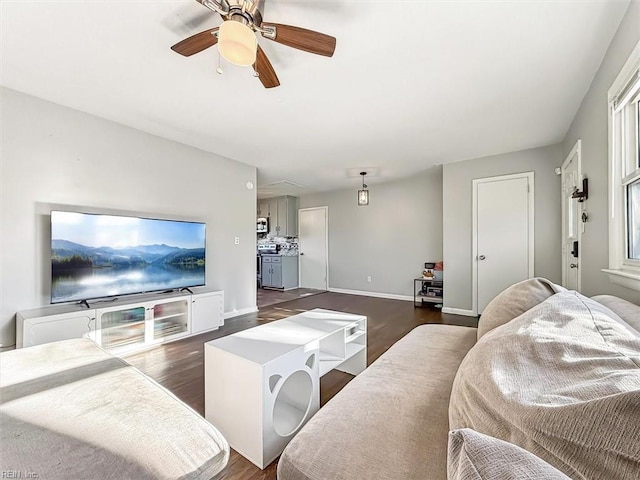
{"x": 287, "y": 245}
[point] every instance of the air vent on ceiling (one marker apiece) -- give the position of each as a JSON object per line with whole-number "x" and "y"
{"x": 281, "y": 187}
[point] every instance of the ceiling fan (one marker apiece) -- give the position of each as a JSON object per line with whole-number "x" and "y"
{"x": 237, "y": 41}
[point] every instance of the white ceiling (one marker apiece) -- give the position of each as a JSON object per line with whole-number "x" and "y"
{"x": 412, "y": 83}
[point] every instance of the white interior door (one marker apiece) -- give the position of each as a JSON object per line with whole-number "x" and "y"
{"x": 503, "y": 231}
{"x": 313, "y": 247}
{"x": 571, "y": 222}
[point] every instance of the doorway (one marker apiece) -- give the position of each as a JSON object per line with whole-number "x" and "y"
{"x": 571, "y": 218}
{"x": 313, "y": 242}
{"x": 503, "y": 235}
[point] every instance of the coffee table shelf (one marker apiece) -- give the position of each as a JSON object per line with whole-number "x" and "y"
{"x": 327, "y": 365}
{"x": 353, "y": 348}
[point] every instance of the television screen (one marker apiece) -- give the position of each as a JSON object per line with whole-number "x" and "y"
{"x": 94, "y": 256}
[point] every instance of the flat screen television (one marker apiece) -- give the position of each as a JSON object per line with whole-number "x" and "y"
{"x": 97, "y": 256}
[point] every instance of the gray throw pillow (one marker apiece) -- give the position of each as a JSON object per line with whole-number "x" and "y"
{"x": 514, "y": 301}
{"x": 475, "y": 456}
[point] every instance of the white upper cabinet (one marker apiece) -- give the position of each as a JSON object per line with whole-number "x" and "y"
{"x": 282, "y": 213}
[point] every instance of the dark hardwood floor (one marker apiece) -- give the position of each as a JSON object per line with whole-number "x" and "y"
{"x": 179, "y": 366}
{"x": 266, "y": 297}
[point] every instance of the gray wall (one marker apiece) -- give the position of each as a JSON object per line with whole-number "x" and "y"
{"x": 591, "y": 125}
{"x": 457, "y": 216}
{"x": 55, "y": 157}
{"x": 390, "y": 239}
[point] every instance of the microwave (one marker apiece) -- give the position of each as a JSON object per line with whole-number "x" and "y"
{"x": 262, "y": 225}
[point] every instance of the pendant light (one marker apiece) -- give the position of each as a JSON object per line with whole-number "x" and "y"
{"x": 363, "y": 195}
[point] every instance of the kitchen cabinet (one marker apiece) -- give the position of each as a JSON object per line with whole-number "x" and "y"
{"x": 263, "y": 208}
{"x": 279, "y": 271}
{"x": 272, "y": 272}
{"x": 287, "y": 216}
{"x": 274, "y": 227}
{"x": 282, "y": 213}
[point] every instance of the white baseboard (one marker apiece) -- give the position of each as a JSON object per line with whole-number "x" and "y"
{"x": 391, "y": 296}
{"x": 458, "y": 311}
{"x": 242, "y": 311}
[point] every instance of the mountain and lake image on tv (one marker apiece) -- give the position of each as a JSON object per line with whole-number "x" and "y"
{"x": 96, "y": 256}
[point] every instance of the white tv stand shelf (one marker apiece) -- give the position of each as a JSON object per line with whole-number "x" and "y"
{"x": 261, "y": 385}
{"x": 127, "y": 324}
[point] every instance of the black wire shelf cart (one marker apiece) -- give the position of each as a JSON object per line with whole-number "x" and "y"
{"x": 427, "y": 292}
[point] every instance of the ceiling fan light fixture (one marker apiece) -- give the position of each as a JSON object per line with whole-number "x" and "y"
{"x": 237, "y": 43}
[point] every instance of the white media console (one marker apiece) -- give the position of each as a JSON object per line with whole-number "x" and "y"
{"x": 126, "y": 324}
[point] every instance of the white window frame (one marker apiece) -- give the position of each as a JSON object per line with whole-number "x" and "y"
{"x": 623, "y": 92}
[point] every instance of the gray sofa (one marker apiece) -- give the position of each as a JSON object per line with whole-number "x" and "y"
{"x": 540, "y": 354}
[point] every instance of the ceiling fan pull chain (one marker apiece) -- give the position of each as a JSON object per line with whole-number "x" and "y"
{"x": 219, "y": 69}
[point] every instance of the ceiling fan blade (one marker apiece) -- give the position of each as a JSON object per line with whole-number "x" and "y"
{"x": 267, "y": 74}
{"x": 301, "y": 38}
{"x": 196, "y": 43}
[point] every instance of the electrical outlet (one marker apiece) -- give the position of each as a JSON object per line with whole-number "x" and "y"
{"x": 369, "y": 278}
{"x": 237, "y": 241}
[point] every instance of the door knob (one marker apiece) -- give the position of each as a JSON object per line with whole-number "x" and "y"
{"x": 481, "y": 257}
{"x": 573, "y": 265}
{"x": 301, "y": 253}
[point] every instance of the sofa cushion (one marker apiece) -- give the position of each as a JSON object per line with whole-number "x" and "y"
{"x": 474, "y": 456}
{"x": 561, "y": 381}
{"x": 514, "y": 301}
{"x": 70, "y": 410}
{"x": 629, "y": 312}
{"x": 389, "y": 422}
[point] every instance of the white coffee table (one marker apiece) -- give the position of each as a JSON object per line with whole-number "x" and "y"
{"x": 262, "y": 384}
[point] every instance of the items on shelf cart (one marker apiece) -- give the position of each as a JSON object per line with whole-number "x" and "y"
{"x": 429, "y": 289}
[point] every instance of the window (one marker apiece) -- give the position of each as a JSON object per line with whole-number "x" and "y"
{"x": 633, "y": 222}
{"x": 624, "y": 175}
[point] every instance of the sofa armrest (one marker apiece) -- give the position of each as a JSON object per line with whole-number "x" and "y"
{"x": 627, "y": 311}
